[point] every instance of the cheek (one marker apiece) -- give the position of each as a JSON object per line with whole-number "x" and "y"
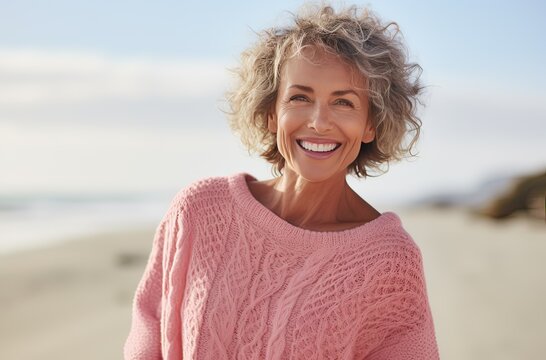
{"x": 287, "y": 129}
{"x": 288, "y": 125}
{"x": 283, "y": 142}
{"x": 354, "y": 130}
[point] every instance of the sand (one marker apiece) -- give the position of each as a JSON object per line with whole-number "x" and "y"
{"x": 486, "y": 284}
{"x": 73, "y": 300}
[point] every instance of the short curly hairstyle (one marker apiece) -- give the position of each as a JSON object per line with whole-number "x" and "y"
{"x": 356, "y": 36}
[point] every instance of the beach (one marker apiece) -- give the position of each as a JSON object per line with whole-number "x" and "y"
{"x": 72, "y": 300}
{"x": 485, "y": 281}
{"x": 108, "y": 110}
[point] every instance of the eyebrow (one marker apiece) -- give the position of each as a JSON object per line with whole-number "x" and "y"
{"x": 335, "y": 93}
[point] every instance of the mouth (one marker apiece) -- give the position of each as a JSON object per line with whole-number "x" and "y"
{"x": 316, "y": 148}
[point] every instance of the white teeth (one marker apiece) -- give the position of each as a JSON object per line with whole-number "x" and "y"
{"x": 317, "y": 147}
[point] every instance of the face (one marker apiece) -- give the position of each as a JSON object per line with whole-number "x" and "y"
{"x": 320, "y": 116}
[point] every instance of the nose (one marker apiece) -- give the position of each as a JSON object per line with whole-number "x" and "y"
{"x": 320, "y": 119}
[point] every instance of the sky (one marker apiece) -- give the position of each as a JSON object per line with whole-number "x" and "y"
{"x": 112, "y": 96}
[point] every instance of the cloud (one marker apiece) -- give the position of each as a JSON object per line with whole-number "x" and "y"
{"x": 39, "y": 77}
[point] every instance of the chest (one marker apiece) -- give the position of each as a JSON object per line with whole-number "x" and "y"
{"x": 246, "y": 298}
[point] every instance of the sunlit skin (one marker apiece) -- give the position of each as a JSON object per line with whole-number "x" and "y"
{"x": 320, "y": 99}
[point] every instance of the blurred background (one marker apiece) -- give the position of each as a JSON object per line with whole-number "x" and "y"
{"x": 108, "y": 108}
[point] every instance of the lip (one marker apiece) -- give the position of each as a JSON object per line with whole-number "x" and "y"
{"x": 318, "y": 155}
{"x": 318, "y": 140}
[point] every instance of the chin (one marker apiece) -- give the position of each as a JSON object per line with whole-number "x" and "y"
{"x": 316, "y": 175}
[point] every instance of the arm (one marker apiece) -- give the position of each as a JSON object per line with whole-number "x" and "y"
{"x": 416, "y": 344}
{"x": 406, "y": 313}
{"x": 156, "y": 328}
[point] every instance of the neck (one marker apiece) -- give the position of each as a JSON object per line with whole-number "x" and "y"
{"x": 313, "y": 204}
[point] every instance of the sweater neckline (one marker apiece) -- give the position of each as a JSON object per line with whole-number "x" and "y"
{"x": 296, "y": 236}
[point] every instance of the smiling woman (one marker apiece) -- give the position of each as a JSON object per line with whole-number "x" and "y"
{"x": 378, "y": 65}
{"x": 298, "y": 266}
{"x": 321, "y": 102}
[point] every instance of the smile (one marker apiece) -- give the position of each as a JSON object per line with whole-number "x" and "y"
{"x": 318, "y": 150}
{"x": 318, "y": 147}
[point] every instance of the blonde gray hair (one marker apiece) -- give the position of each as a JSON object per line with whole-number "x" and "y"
{"x": 356, "y": 36}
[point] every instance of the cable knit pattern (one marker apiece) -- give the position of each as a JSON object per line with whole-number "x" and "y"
{"x": 229, "y": 279}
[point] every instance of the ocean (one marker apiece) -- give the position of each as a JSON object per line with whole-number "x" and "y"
{"x": 41, "y": 220}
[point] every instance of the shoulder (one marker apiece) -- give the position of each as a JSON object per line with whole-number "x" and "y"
{"x": 203, "y": 188}
{"x": 393, "y": 228}
{"x": 395, "y": 268}
{"x": 201, "y": 195}
{"x": 395, "y": 245}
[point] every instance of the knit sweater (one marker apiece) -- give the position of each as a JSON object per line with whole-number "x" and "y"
{"x": 229, "y": 279}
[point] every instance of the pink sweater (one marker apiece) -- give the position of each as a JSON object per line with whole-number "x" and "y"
{"x": 228, "y": 279}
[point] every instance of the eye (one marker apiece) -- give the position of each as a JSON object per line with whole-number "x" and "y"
{"x": 299, "y": 98}
{"x": 344, "y": 102}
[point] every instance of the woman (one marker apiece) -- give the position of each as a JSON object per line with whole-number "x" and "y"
{"x": 299, "y": 266}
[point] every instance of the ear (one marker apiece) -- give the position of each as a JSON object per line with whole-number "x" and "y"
{"x": 369, "y": 132}
{"x": 272, "y": 122}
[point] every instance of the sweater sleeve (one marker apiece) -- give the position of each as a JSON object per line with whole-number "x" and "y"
{"x": 416, "y": 344}
{"x": 407, "y": 314}
{"x": 155, "y": 331}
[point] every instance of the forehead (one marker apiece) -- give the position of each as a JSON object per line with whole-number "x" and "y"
{"x": 313, "y": 64}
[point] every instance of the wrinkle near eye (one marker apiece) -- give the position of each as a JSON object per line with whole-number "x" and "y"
{"x": 345, "y": 102}
{"x": 298, "y": 98}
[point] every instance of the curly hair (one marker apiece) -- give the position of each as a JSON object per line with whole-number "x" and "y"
{"x": 356, "y": 36}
